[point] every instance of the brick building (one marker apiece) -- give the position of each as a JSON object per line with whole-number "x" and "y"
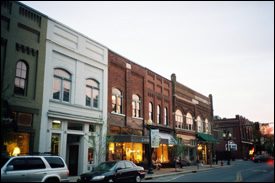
{"x": 241, "y": 130}
{"x": 137, "y": 99}
{"x": 193, "y": 114}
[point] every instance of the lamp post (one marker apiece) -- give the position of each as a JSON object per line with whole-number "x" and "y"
{"x": 150, "y": 166}
{"x": 227, "y": 137}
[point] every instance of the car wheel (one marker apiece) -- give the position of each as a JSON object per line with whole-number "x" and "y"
{"x": 110, "y": 180}
{"x": 138, "y": 179}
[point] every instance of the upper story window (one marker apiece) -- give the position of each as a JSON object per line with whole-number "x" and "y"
{"x": 158, "y": 114}
{"x": 20, "y": 82}
{"x": 116, "y": 101}
{"x": 206, "y": 126}
{"x": 178, "y": 119}
{"x": 199, "y": 124}
{"x": 165, "y": 116}
{"x": 189, "y": 121}
{"x": 92, "y": 93}
{"x": 151, "y": 114}
{"x": 136, "y": 105}
{"x": 62, "y": 85}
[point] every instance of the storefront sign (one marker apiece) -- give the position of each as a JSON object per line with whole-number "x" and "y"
{"x": 155, "y": 138}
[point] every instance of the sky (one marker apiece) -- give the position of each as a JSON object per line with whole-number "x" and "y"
{"x": 221, "y": 48}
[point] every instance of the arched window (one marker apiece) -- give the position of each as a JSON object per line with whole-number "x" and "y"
{"x": 166, "y": 119}
{"x": 62, "y": 85}
{"x": 20, "y": 82}
{"x": 178, "y": 119}
{"x": 189, "y": 121}
{"x": 158, "y": 114}
{"x": 92, "y": 93}
{"x": 116, "y": 101}
{"x": 136, "y": 105}
{"x": 199, "y": 124}
{"x": 151, "y": 114}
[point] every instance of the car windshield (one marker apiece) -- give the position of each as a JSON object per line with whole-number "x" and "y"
{"x": 105, "y": 166}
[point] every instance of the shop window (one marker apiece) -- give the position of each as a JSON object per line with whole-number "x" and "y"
{"x": 55, "y": 144}
{"x": 161, "y": 153}
{"x": 90, "y": 155}
{"x": 17, "y": 144}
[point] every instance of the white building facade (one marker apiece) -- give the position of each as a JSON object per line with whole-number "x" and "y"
{"x": 74, "y": 112}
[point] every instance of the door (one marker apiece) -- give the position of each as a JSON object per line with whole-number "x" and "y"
{"x": 73, "y": 159}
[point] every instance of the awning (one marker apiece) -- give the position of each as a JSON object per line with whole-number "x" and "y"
{"x": 168, "y": 138}
{"x": 206, "y": 138}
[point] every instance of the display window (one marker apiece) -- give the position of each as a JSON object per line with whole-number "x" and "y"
{"x": 127, "y": 151}
{"x": 17, "y": 143}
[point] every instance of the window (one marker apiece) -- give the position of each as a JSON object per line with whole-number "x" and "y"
{"x": 165, "y": 116}
{"x": 116, "y": 101}
{"x": 158, "y": 114}
{"x": 35, "y": 163}
{"x": 199, "y": 123}
{"x": 206, "y": 126}
{"x": 55, "y": 162}
{"x": 20, "y": 82}
{"x": 179, "y": 119}
{"x": 151, "y": 114}
{"x": 92, "y": 93}
{"x": 61, "y": 85}
{"x": 136, "y": 106}
{"x": 189, "y": 121}
{"x": 18, "y": 163}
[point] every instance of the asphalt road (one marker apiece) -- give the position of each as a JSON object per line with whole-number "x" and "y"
{"x": 238, "y": 171}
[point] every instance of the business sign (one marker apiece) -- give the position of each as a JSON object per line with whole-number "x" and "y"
{"x": 155, "y": 138}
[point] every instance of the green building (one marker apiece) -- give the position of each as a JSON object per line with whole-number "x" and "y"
{"x": 23, "y": 36}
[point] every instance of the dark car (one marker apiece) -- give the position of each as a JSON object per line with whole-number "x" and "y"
{"x": 262, "y": 158}
{"x": 114, "y": 171}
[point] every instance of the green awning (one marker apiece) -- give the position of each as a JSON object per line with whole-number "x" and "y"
{"x": 206, "y": 138}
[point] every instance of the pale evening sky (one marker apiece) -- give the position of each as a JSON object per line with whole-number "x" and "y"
{"x": 221, "y": 48}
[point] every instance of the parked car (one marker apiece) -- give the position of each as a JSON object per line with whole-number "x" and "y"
{"x": 114, "y": 171}
{"x": 262, "y": 158}
{"x": 39, "y": 168}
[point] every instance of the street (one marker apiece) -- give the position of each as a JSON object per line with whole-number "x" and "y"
{"x": 238, "y": 171}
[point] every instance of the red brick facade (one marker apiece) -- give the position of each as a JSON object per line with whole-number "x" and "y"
{"x": 242, "y": 135}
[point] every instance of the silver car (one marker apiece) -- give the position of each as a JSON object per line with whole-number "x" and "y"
{"x": 35, "y": 169}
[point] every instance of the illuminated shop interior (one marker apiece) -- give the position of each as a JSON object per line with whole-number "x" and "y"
{"x": 128, "y": 151}
{"x": 17, "y": 144}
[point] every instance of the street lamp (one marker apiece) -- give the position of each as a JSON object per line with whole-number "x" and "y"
{"x": 227, "y": 137}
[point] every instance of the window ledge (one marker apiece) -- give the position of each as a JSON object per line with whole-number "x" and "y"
{"x": 118, "y": 114}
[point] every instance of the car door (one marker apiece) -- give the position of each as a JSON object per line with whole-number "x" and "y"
{"x": 121, "y": 175}
{"x": 131, "y": 171}
{"x": 15, "y": 171}
{"x": 36, "y": 169}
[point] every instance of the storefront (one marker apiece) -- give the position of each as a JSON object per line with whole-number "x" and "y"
{"x": 127, "y": 147}
{"x": 164, "y": 152}
{"x": 205, "y": 147}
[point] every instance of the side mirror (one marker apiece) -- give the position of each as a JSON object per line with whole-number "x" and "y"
{"x": 9, "y": 168}
{"x": 119, "y": 168}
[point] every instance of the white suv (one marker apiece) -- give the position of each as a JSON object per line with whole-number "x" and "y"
{"x": 42, "y": 168}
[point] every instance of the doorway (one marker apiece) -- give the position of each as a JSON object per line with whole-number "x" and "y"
{"x": 73, "y": 148}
